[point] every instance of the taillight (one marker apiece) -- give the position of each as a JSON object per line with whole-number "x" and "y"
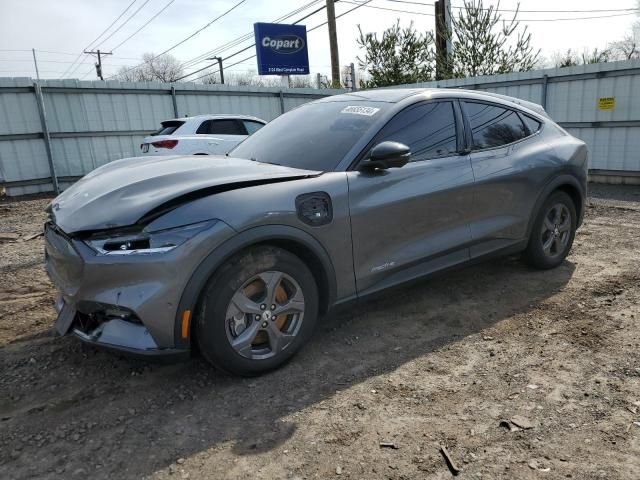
{"x": 165, "y": 144}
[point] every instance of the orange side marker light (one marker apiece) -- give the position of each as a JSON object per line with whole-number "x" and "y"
{"x": 186, "y": 317}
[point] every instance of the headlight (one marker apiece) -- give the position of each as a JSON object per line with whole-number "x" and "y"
{"x": 146, "y": 242}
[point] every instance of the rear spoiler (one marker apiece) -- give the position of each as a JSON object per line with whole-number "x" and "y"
{"x": 535, "y": 107}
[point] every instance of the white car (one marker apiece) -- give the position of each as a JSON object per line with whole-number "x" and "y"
{"x": 200, "y": 135}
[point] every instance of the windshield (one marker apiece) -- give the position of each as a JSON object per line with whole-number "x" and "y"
{"x": 315, "y": 136}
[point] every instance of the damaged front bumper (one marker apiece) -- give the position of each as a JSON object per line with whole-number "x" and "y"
{"x": 126, "y": 303}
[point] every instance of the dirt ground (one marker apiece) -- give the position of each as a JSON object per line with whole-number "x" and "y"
{"x": 379, "y": 390}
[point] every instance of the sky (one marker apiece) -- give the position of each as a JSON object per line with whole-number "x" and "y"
{"x": 60, "y": 30}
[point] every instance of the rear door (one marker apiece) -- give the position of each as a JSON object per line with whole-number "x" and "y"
{"x": 503, "y": 190}
{"x": 413, "y": 220}
{"x": 226, "y": 133}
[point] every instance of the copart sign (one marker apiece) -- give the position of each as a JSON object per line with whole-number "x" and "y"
{"x": 281, "y": 49}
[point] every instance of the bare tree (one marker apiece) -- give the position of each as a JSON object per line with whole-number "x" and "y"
{"x": 300, "y": 81}
{"x": 628, "y": 48}
{"x": 596, "y": 56}
{"x": 567, "y": 58}
{"x": 209, "y": 78}
{"x": 163, "y": 68}
{"x": 250, "y": 78}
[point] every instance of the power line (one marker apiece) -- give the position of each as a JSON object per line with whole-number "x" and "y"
{"x": 101, "y": 34}
{"x": 54, "y": 52}
{"x": 524, "y": 11}
{"x": 147, "y": 23}
{"x": 390, "y": 9}
{"x": 243, "y": 38}
{"x": 308, "y": 31}
{"x": 572, "y": 18}
{"x": 122, "y": 24}
{"x": 518, "y": 19}
{"x": 252, "y": 45}
{"x": 187, "y": 38}
{"x": 57, "y": 61}
{"x": 112, "y": 33}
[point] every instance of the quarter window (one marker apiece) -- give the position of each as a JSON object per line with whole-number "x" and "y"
{"x": 493, "y": 126}
{"x": 222, "y": 127}
{"x": 428, "y": 129}
{"x": 532, "y": 124}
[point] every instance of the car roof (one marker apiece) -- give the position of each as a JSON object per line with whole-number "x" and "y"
{"x": 390, "y": 95}
{"x": 396, "y": 95}
{"x": 215, "y": 116}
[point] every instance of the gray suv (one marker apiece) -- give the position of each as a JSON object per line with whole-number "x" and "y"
{"x": 338, "y": 199}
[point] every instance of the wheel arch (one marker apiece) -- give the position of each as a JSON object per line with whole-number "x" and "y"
{"x": 294, "y": 240}
{"x": 568, "y": 184}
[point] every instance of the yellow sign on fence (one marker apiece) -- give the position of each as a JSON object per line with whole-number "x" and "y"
{"x": 606, "y": 103}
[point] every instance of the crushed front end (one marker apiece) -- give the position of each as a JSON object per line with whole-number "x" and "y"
{"x": 120, "y": 299}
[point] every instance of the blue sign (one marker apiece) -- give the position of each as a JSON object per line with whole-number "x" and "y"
{"x": 281, "y": 49}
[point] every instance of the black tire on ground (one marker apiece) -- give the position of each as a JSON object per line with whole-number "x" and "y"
{"x": 213, "y": 328}
{"x": 541, "y": 233}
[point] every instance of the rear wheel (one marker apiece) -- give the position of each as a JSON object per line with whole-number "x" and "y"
{"x": 553, "y": 232}
{"x": 257, "y": 311}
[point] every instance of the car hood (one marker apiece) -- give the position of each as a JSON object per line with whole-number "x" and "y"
{"x": 123, "y": 192}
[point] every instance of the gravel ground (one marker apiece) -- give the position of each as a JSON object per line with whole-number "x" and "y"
{"x": 518, "y": 373}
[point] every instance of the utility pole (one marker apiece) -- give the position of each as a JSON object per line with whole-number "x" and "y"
{"x": 99, "y": 62}
{"x": 333, "y": 44}
{"x": 352, "y": 74}
{"x": 35, "y": 62}
{"x": 219, "y": 59}
{"x": 443, "y": 39}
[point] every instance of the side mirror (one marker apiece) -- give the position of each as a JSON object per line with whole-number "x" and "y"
{"x": 388, "y": 155}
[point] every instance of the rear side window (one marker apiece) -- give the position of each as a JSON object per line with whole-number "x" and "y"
{"x": 168, "y": 128}
{"x": 251, "y": 126}
{"x": 493, "y": 126}
{"x": 222, "y": 127}
{"x": 532, "y": 124}
{"x": 429, "y": 129}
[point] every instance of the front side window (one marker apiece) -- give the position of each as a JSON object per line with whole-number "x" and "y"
{"x": 428, "y": 129}
{"x": 493, "y": 126}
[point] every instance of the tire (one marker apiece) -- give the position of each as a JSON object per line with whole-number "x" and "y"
{"x": 243, "y": 290}
{"x": 552, "y": 236}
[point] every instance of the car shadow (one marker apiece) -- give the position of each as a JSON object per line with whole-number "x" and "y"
{"x": 73, "y": 407}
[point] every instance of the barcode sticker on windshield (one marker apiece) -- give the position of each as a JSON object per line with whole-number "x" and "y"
{"x": 368, "y": 111}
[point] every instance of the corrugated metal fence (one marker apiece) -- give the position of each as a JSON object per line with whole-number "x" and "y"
{"x": 580, "y": 99}
{"x": 89, "y": 124}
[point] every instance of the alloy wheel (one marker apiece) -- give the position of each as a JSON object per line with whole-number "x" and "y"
{"x": 264, "y": 315}
{"x": 556, "y": 230}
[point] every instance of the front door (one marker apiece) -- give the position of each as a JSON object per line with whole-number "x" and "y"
{"x": 409, "y": 221}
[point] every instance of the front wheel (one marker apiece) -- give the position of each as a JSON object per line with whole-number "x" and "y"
{"x": 257, "y": 311}
{"x": 553, "y": 232}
